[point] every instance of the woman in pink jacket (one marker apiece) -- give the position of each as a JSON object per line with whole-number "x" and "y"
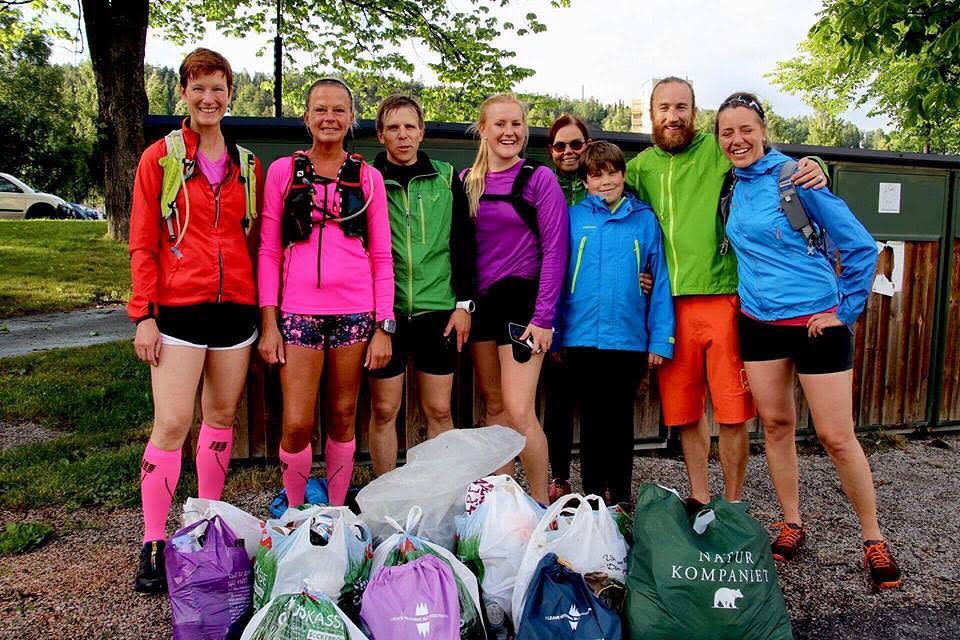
{"x": 326, "y": 287}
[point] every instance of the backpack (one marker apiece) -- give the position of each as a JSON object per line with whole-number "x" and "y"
{"x": 790, "y": 204}
{"x": 524, "y": 209}
{"x": 177, "y": 168}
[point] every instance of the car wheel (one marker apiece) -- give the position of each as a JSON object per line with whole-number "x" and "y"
{"x": 41, "y": 210}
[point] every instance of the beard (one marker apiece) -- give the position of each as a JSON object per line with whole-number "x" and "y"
{"x": 672, "y": 141}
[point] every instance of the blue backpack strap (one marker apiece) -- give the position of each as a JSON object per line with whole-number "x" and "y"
{"x": 793, "y": 207}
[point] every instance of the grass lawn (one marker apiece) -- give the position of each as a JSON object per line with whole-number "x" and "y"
{"x": 99, "y": 399}
{"x": 58, "y": 265}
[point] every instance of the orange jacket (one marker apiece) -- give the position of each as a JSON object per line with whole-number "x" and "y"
{"x": 214, "y": 262}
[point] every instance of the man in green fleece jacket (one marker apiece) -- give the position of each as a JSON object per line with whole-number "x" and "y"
{"x": 434, "y": 250}
{"x": 681, "y": 177}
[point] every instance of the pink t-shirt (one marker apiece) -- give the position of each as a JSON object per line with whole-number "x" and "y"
{"x": 350, "y": 279}
{"x": 214, "y": 170}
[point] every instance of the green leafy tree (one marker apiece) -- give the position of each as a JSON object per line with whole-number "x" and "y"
{"x": 903, "y": 57}
{"x": 356, "y": 36}
{"x": 46, "y": 131}
{"x": 618, "y": 118}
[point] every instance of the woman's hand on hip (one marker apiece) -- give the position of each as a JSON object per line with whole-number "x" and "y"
{"x": 820, "y": 321}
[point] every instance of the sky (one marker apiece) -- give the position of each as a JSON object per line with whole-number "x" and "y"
{"x": 608, "y": 49}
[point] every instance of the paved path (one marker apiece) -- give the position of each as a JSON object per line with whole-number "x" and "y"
{"x": 27, "y": 334}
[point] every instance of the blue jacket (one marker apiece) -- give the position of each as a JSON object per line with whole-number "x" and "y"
{"x": 778, "y": 278}
{"x": 602, "y": 304}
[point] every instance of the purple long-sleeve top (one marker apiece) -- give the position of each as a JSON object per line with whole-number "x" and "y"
{"x": 506, "y": 247}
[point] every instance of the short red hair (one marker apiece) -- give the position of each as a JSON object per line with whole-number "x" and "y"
{"x": 202, "y": 61}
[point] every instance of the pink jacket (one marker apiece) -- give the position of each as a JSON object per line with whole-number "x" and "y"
{"x": 353, "y": 280}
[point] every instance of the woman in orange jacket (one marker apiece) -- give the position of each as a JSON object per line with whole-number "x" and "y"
{"x": 194, "y": 297}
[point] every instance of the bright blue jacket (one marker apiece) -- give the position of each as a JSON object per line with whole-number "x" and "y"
{"x": 778, "y": 278}
{"x": 602, "y": 304}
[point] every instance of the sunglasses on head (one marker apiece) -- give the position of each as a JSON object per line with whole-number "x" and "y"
{"x": 742, "y": 101}
{"x": 575, "y": 145}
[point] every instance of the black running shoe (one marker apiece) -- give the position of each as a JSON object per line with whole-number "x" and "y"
{"x": 152, "y": 572}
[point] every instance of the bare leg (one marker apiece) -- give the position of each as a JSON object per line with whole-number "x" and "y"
{"x": 224, "y": 378}
{"x": 695, "y": 442}
{"x": 519, "y": 388}
{"x": 435, "y": 392}
{"x": 772, "y": 384}
{"x": 174, "y": 381}
{"x": 344, "y": 373}
{"x": 830, "y": 396}
{"x": 299, "y": 381}
{"x": 734, "y": 451}
{"x": 486, "y": 359}
{"x": 386, "y": 396}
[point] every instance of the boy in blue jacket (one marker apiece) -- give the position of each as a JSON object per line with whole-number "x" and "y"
{"x": 611, "y": 330}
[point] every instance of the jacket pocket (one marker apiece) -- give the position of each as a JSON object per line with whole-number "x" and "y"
{"x": 576, "y": 267}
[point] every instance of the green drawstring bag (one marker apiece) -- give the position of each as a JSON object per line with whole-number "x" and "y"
{"x": 710, "y": 579}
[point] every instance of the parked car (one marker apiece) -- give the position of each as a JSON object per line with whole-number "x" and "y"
{"x": 19, "y": 200}
{"x": 83, "y": 212}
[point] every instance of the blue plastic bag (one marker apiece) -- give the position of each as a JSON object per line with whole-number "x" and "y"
{"x": 560, "y": 606}
{"x": 316, "y": 493}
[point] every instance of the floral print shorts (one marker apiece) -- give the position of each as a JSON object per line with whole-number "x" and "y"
{"x": 326, "y": 332}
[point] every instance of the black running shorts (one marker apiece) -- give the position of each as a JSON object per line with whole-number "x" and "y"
{"x": 421, "y": 338}
{"x": 830, "y": 352}
{"x": 212, "y": 326}
{"x": 509, "y": 300}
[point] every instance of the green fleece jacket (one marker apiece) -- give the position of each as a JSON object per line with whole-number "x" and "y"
{"x": 683, "y": 189}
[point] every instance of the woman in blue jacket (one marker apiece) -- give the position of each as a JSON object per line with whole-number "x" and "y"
{"x": 797, "y": 314}
{"x": 610, "y": 329}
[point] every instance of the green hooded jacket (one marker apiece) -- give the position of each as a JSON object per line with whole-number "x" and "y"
{"x": 684, "y": 189}
{"x": 574, "y": 190}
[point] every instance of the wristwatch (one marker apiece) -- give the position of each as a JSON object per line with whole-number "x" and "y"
{"x": 467, "y": 305}
{"x": 389, "y": 325}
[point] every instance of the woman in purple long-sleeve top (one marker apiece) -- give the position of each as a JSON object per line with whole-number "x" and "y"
{"x": 522, "y": 248}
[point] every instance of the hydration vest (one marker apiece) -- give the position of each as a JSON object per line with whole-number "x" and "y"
{"x": 524, "y": 209}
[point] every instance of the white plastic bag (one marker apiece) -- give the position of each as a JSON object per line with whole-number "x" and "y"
{"x": 243, "y": 525}
{"x": 494, "y": 534}
{"x": 584, "y": 536}
{"x": 408, "y": 545}
{"x": 295, "y": 611}
{"x": 341, "y": 564}
{"x": 435, "y": 477}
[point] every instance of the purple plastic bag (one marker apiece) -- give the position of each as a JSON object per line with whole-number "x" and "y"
{"x": 413, "y": 601}
{"x": 209, "y": 580}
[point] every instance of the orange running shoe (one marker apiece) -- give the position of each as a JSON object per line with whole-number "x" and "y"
{"x": 788, "y": 542}
{"x": 884, "y": 572}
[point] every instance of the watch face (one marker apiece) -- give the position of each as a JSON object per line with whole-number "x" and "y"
{"x": 390, "y": 326}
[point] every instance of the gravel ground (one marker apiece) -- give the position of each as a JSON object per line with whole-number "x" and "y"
{"x": 79, "y": 585}
{"x": 82, "y": 328}
{"x": 18, "y": 433}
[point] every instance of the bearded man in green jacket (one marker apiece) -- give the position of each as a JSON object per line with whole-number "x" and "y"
{"x": 682, "y": 177}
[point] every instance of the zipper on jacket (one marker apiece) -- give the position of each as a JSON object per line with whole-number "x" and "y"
{"x": 406, "y": 204}
{"x": 216, "y": 202}
{"x": 636, "y": 251}
{"x": 423, "y": 224}
{"x": 220, "y": 285}
{"x": 576, "y": 268}
{"x": 675, "y": 271}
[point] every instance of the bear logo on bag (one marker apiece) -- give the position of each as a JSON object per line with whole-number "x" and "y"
{"x": 726, "y": 598}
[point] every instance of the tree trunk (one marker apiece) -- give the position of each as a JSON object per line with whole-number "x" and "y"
{"x": 117, "y": 35}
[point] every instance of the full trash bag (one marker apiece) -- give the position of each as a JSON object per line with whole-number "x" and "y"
{"x": 560, "y": 606}
{"x": 435, "y": 478}
{"x": 403, "y": 547}
{"x": 208, "y": 578}
{"x": 714, "y": 578}
{"x": 249, "y": 528}
{"x": 330, "y": 552}
{"x": 582, "y": 532}
{"x": 301, "y": 616}
{"x": 493, "y": 535}
{"x": 413, "y": 601}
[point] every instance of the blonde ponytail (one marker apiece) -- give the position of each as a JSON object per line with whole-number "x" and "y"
{"x": 476, "y": 181}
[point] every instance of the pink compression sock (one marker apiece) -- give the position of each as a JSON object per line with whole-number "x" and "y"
{"x": 159, "y": 473}
{"x": 339, "y": 458}
{"x": 295, "y": 468}
{"x": 213, "y": 457}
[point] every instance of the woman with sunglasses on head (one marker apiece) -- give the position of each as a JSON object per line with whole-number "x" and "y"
{"x": 326, "y": 287}
{"x": 521, "y": 260}
{"x": 798, "y": 315}
{"x": 194, "y": 298}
